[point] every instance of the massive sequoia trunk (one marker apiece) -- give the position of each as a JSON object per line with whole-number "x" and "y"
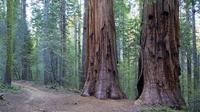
{"x": 102, "y": 75}
{"x": 159, "y": 57}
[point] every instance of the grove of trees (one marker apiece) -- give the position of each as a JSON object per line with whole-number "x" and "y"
{"x": 144, "y": 50}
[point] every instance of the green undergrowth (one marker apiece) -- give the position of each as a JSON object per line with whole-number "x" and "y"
{"x": 10, "y": 89}
{"x": 163, "y": 109}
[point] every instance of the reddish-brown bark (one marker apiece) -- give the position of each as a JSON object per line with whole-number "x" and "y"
{"x": 159, "y": 56}
{"x": 101, "y": 67}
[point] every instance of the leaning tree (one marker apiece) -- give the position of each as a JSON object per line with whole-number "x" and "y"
{"x": 159, "y": 67}
{"x": 101, "y": 67}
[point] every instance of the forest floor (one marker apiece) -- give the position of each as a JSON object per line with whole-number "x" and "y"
{"x": 39, "y": 99}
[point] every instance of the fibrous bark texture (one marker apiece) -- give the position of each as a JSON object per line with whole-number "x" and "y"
{"x": 102, "y": 75}
{"x": 159, "y": 67}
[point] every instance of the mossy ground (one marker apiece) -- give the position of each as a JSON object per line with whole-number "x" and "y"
{"x": 10, "y": 89}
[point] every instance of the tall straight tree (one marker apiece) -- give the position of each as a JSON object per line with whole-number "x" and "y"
{"x": 79, "y": 44}
{"x": 76, "y": 47}
{"x": 102, "y": 75}
{"x": 194, "y": 52}
{"x": 9, "y": 58}
{"x": 159, "y": 67}
{"x": 46, "y": 52}
{"x": 189, "y": 58}
{"x": 63, "y": 41}
{"x": 26, "y": 50}
{"x": 84, "y": 42}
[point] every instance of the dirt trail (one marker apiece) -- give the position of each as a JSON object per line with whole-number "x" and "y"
{"x": 35, "y": 99}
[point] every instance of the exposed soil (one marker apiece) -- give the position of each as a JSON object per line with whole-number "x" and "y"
{"x": 38, "y": 99}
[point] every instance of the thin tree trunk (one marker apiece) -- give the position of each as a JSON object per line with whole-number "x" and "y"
{"x": 79, "y": 49}
{"x": 84, "y": 42}
{"x": 159, "y": 57}
{"x": 79, "y": 58}
{"x": 46, "y": 52}
{"x": 26, "y": 47}
{"x": 194, "y": 45}
{"x": 102, "y": 75}
{"x": 189, "y": 74}
{"x": 188, "y": 55}
{"x": 63, "y": 41}
{"x": 24, "y": 59}
{"x": 76, "y": 49}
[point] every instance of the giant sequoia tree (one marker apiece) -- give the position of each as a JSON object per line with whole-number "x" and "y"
{"x": 101, "y": 67}
{"x": 159, "y": 67}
